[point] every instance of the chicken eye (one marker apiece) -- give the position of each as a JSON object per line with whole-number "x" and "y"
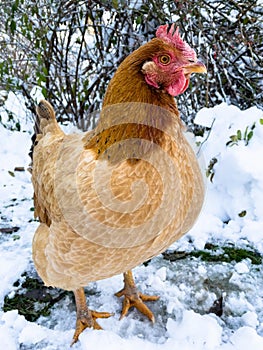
{"x": 165, "y": 59}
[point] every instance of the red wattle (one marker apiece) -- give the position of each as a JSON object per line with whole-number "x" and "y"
{"x": 178, "y": 87}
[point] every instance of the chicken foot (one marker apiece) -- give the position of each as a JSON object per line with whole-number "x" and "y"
{"x": 134, "y": 298}
{"x": 85, "y": 317}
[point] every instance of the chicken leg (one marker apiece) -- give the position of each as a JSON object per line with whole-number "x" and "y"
{"x": 85, "y": 316}
{"x": 134, "y": 298}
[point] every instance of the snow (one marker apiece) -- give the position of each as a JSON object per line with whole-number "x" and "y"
{"x": 187, "y": 288}
{"x": 241, "y": 267}
{"x": 238, "y": 183}
{"x": 195, "y": 331}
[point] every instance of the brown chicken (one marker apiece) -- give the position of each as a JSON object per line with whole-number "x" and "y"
{"x": 112, "y": 198}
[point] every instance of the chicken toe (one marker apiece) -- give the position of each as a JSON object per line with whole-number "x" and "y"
{"x": 86, "y": 318}
{"x": 134, "y": 298}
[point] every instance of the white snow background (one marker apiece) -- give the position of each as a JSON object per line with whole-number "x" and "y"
{"x": 187, "y": 287}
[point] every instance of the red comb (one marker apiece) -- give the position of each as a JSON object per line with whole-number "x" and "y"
{"x": 172, "y": 36}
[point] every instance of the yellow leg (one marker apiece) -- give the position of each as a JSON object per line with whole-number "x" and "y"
{"x": 85, "y": 316}
{"x": 133, "y": 298}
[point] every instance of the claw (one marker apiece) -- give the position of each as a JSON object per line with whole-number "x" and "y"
{"x": 86, "y": 318}
{"x": 133, "y": 298}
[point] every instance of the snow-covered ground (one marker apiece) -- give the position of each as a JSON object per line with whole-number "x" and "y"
{"x": 232, "y": 214}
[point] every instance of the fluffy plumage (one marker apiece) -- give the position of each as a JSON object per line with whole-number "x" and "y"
{"x": 115, "y": 197}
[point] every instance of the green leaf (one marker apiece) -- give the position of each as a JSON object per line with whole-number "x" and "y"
{"x": 234, "y": 138}
{"x": 18, "y": 126}
{"x": 249, "y": 136}
{"x": 41, "y": 77}
{"x": 139, "y": 20}
{"x": 15, "y": 6}
{"x": 239, "y": 135}
{"x": 11, "y": 173}
{"x": 37, "y": 43}
{"x": 25, "y": 18}
{"x": 245, "y": 20}
{"x": 13, "y": 26}
{"x": 44, "y": 91}
{"x": 242, "y": 213}
{"x": 16, "y": 237}
{"x": 261, "y": 121}
{"x": 115, "y": 4}
{"x": 39, "y": 58}
{"x": 45, "y": 71}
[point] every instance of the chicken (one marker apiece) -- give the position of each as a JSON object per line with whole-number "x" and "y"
{"x": 116, "y": 196}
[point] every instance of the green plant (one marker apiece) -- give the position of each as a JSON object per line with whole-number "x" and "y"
{"x": 32, "y": 299}
{"x": 215, "y": 253}
{"x": 210, "y": 171}
{"x": 246, "y": 136}
{"x": 71, "y": 49}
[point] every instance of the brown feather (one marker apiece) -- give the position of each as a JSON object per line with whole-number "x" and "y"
{"x": 113, "y": 198}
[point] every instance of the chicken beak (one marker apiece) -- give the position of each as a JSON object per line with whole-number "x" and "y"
{"x": 197, "y": 67}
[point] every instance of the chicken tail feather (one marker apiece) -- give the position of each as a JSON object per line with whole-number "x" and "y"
{"x": 45, "y": 115}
